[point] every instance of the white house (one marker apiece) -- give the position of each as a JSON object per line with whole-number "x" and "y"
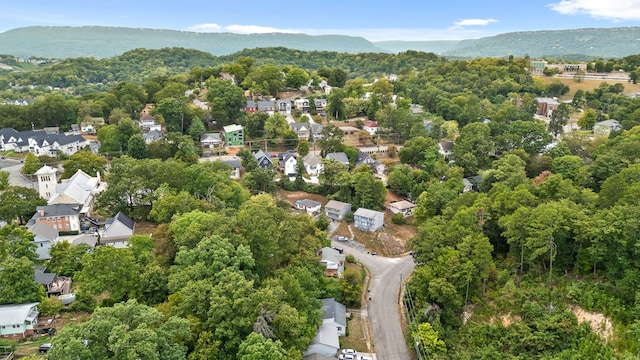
{"x": 403, "y": 207}
{"x": 18, "y": 320}
{"x": 236, "y": 165}
{"x": 604, "y": 128}
{"x": 445, "y": 148}
{"x": 368, "y": 220}
{"x": 334, "y": 313}
{"x": 288, "y": 163}
{"x": 313, "y": 164}
{"x": 118, "y": 230}
{"x": 81, "y": 188}
{"x": 371, "y": 127}
{"x": 309, "y": 206}
{"x": 44, "y": 237}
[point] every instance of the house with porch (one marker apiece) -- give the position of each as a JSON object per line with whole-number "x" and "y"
{"x": 336, "y": 210}
{"x": 283, "y": 106}
{"x": 371, "y": 127}
{"x": 368, "y": 220}
{"x": 604, "y": 128}
{"x": 265, "y": 106}
{"x": 445, "y": 148}
{"x": 288, "y": 163}
{"x": 333, "y": 261}
{"x": 316, "y": 131}
{"x": 321, "y": 105}
{"x": 18, "y": 320}
{"x": 403, "y": 207}
{"x": 303, "y": 130}
{"x": 309, "y": 206}
{"x": 233, "y": 135}
{"x": 302, "y": 104}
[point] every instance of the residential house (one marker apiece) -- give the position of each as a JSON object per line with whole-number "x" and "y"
{"x": 326, "y": 342}
{"x": 81, "y": 189}
{"x": 333, "y": 261}
{"x": 303, "y": 130}
{"x": 403, "y": 207}
{"x": 18, "y": 320}
{"x": 336, "y": 210}
{"x": 263, "y": 158}
{"x": 604, "y": 128}
{"x": 334, "y": 313}
{"x": 211, "y": 141}
{"x": 87, "y": 128}
{"x": 44, "y": 236}
{"x": 53, "y": 284}
{"x": 148, "y": 123}
{"x": 288, "y": 163}
{"x": 546, "y": 106}
{"x": 236, "y": 166}
{"x": 302, "y": 105}
{"x": 471, "y": 183}
{"x": 445, "y": 148}
{"x": 151, "y": 136}
{"x": 318, "y": 357}
{"x": 68, "y": 144}
{"x": 321, "y": 105}
{"x": 283, "y": 106}
{"x": 47, "y": 180}
{"x": 265, "y": 106}
{"x": 228, "y": 77}
{"x": 251, "y": 106}
{"x": 368, "y": 220}
{"x": 416, "y": 109}
{"x": 200, "y": 104}
{"x": 233, "y": 135}
{"x": 62, "y": 217}
{"x": 339, "y": 157}
{"x": 371, "y": 127}
{"x": 309, "y": 206}
{"x": 313, "y": 164}
{"x": 365, "y": 159}
{"x": 117, "y": 231}
{"x": 8, "y": 138}
{"x": 316, "y": 131}
{"x": 428, "y": 124}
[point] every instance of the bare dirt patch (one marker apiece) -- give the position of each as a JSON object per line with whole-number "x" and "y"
{"x": 600, "y": 324}
{"x": 292, "y": 196}
{"x": 588, "y": 85}
{"x": 505, "y": 319}
{"x": 145, "y": 228}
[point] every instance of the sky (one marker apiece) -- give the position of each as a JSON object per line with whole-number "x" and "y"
{"x": 375, "y": 20}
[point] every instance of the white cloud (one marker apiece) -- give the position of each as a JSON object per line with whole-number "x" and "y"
{"x": 205, "y": 28}
{"x": 616, "y": 10}
{"x": 256, "y": 29}
{"x": 474, "y": 22}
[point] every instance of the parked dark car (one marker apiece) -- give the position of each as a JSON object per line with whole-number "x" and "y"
{"x": 44, "y": 347}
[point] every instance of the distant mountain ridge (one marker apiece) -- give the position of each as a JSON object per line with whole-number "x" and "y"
{"x": 103, "y": 42}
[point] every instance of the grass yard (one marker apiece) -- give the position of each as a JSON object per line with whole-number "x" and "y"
{"x": 356, "y": 339}
{"x": 588, "y": 85}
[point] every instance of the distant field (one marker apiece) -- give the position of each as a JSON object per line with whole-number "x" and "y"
{"x": 589, "y": 85}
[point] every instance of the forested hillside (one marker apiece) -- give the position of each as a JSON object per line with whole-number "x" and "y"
{"x": 508, "y": 267}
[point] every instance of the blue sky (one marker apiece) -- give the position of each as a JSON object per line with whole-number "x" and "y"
{"x": 373, "y": 19}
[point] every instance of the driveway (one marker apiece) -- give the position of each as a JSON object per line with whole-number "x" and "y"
{"x": 383, "y": 310}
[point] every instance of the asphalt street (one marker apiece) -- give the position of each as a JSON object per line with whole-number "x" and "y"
{"x": 383, "y": 310}
{"x": 15, "y": 177}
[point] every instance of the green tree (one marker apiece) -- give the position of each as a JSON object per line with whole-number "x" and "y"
{"x": 4, "y": 180}
{"x": 588, "y": 119}
{"x": 260, "y": 180}
{"x": 172, "y": 112}
{"x": 87, "y": 161}
{"x": 429, "y": 338}
{"x": 31, "y": 164}
{"x": 296, "y": 78}
{"x": 559, "y": 118}
{"x": 110, "y": 270}
{"x": 226, "y": 101}
{"x": 275, "y": 126}
{"x": 257, "y": 347}
{"x": 137, "y": 147}
{"x": 16, "y": 241}
{"x": 475, "y": 139}
{"x": 17, "y": 281}
{"x": 196, "y": 129}
{"x": 125, "y": 331}
{"x": 420, "y": 152}
{"x": 303, "y": 148}
{"x": 19, "y": 203}
{"x": 66, "y": 259}
{"x": 337, "y": 77}
{"x": 331, "y": 140}
{"x": 335, "y": 104}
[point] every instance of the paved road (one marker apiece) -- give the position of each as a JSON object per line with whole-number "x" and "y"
{"x": 383, "y": 309}
{"x": 15, "y": 177}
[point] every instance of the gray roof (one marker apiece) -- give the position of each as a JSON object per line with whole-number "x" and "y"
{"x": 261, "y": 154}
{"x": 234, "y": 163}
{"x": 402, "y": 204}
{"x": 369, "y": 214}
{"x": 283, "y": 157}
{"x": 339, "y": 157}
{"x": 121, "y": 218}
{"x": 44, "y": 278}
{"x": 318, "y": 357}
{"x": 363, "y": 158}
{"x": 335, "y": 204}
{"x": 317, "y": 128}
{"x": 332, "y": 309}
{"x": 58, "y": 210}
{"x": 312, "y": 160}
{"x": 16, "y": 314}
{"x": 447, "y": 145}
{"x": 327, "y": 335}
{"x": 44, "y": 231}
{"x": 309, "y": 203}
{"x": 299, "y": 126}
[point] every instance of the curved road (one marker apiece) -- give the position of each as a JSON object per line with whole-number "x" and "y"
{"x": 383, "y": 310}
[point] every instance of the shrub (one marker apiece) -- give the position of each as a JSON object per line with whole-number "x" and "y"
{"x": 398, "y": 219}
